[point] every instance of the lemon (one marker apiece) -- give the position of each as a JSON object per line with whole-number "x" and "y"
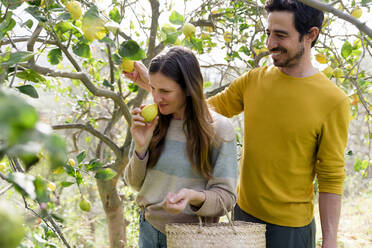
{"x": 51, "y": 186}
{"x": 84, "y": 205}
{"x": 321, "y": 58}
{"x": 357, "y": 12}
{"x": 188, "y": 29}
{"x": 93, "y": 26}
{"x": 127, "y": 65}
{"x": 11, "y": 228}
{"x": 227, "y": 37}
{"x": 71, "y": 162}
{"x": 74, "y": 8}
{"x": 150, "y": 112}
{"x": 328, "y": 71}
{"x": 338, "y": 73}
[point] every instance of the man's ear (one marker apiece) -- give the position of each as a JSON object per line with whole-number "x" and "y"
{"x": 312, "y": 34}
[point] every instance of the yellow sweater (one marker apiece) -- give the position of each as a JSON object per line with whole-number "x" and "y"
{"x": 294, "y": 129}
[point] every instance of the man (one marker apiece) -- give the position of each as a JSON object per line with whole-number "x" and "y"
{"x": 295, "y": 128}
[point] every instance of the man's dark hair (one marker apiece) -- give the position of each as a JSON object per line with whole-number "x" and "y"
{"x": 305, "y": 17}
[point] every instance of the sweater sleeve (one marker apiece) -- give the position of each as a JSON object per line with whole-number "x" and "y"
{"x": 331, "y": 149}
{"x": 135, "y": 171}
{"x": 230, "y": 102}
{"x": 223, "y": 184}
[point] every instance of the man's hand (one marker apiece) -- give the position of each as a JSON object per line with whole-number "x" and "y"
{"x": 139, "y": 76}
{"x": 329, "y": 209}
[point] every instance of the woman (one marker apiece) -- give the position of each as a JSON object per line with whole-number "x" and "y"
{"x": 184, "y": 161}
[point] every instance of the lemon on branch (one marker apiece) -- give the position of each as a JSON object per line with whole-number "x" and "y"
{"x": 84, "y": 205}
{"x": 93, "y": 26}
{"x": 74, "y": 8}
{"x": 150, "y": 112}
{"x": 328, "y": 71}
{"x": 227, "y": 37}
{"x": 321, "y": 58}
{"x": 127, "y": 65}
{"x": 357, "y": 12}
{"x": 188, "y": 29}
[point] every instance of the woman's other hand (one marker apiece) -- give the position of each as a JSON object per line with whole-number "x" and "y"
{"x": 175, "y": 203}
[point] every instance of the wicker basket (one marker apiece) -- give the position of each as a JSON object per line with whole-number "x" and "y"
{"x": 237, "y": 234}
{"x": 234, "y": 234}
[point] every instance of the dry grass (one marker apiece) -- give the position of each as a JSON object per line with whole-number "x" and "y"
{"x": 355, "y": 229}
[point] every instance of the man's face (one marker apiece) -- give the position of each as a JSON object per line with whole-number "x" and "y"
{"x": 283, "y": 40}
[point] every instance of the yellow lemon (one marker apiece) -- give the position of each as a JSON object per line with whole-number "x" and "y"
{"x": 85, "y": 205}
{"x": 188, "y": 29}
{"x": 227, "y": 37}
{"x": 357, "y": 12}
{"x": 51, "y": 186}
{"x": 321, "y": 58}
{"x": 127, "y": 65}
{"x": 328, "y": 71}
{"x": 74, "y": 8}
{"x": 71, "y": 162}
{"x": 93, "y": 28}
{"x": 150, "y": 112}
{"x": 338, "y": 73}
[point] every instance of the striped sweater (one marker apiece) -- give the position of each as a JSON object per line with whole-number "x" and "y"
{"x": 173, "y": 172}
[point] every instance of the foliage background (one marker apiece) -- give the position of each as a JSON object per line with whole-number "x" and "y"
{"x": 75, "y": 84}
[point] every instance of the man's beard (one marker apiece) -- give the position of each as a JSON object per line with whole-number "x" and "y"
{"x": 291, "y": 61}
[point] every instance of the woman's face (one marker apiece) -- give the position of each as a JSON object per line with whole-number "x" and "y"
{"x": 168, "y": 95}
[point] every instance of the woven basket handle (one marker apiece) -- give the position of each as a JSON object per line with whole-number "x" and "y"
{"x": 226, "y": 213}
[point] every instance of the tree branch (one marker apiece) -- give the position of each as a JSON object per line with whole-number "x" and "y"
{"x": 329, "y": 8}
{"x": 94, "y": 132}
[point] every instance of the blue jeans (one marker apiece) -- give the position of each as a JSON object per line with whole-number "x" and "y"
{"x": 149, "y": 236}
{"x": 282, "y": 236}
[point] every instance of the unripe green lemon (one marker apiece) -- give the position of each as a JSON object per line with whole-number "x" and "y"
{"x": 84, "y": 205}
{"x": 127, "y": 65}
{"x": 150, "y": 112}
{"x": 338, "y": 73}
{"x": 227, "y": 37}
{"x": 328, "y": 71}
{"x": 188, "y": 29}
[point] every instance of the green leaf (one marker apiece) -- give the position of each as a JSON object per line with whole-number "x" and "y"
{"x": 107, "y": 40}
{"x": 82, "y": 50}
{"x": 81, "y": 156}
{"x": 78, "y": 177}
{"x": 346, "y": 49}
{"x": 56, "y": 148}
{"x": 57, "y": 217}
{"x": 66, "y": 184}
{"x": 31, "y": 75}
{"x": 29, "y": 159}
{"x": 7, "y": 24}
{"x": 17, "y": 57}
{"x": 28, "y": 24}
{"x": 28, "y": 90}
{"x": 115, "y": 15}
{"x": 107, "y": 84}
{"x": 55, "y": 56}
{"x": 105, "y": 174}
{"x": 116, "y": 58}
{"x": 176, "y": 18}
{"x": 36, "y": 12}
{"x": 94, "y": 165}
{"x": 12, "y": 4}
{"x": 131, "y": 50}
{"x": 23, "y": 183}
{"x": 133, "y": 87}
{"x": 42, "y": 194}
{"x": 63, "y": 27}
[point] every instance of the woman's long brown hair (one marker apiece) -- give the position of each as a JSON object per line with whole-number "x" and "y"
{"x": 181, "y": 65}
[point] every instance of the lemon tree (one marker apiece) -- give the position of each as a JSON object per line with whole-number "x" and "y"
{"x": 71, "y": 54}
